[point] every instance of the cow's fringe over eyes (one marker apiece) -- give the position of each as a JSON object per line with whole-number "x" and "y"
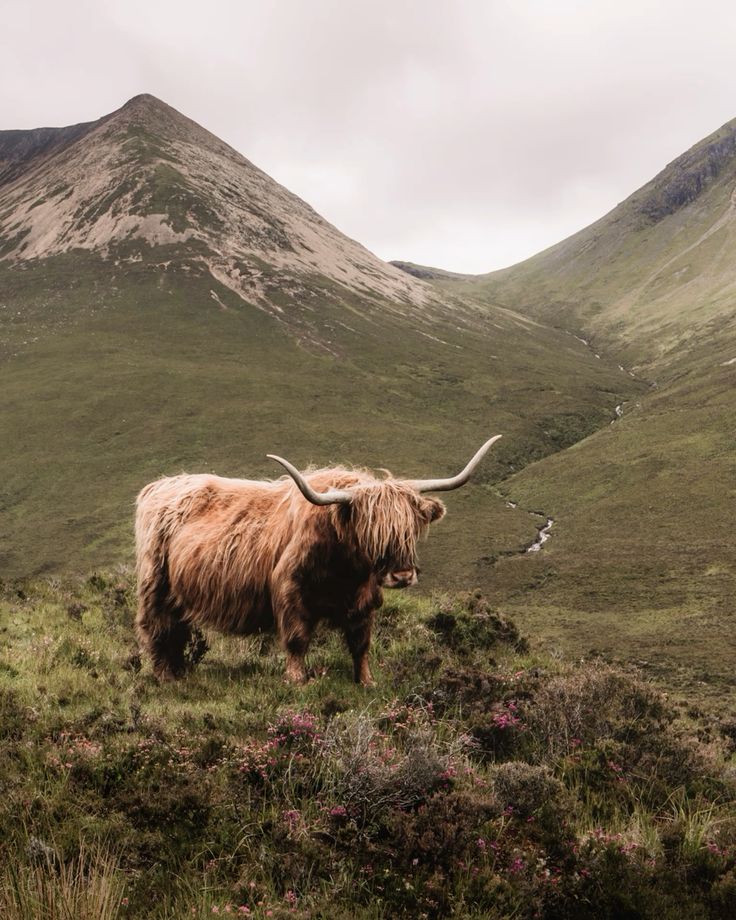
{"x": 387, "y": 519}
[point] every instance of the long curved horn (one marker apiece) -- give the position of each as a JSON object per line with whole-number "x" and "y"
{"x": 330, "y": 497}
{"x": 445, "y": 485}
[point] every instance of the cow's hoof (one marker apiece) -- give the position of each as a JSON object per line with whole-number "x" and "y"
{"x": 295, "y": 677}
{"x": 166, "y": 675}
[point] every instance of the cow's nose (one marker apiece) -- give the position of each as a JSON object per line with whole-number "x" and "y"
{"x": 404, "y": 578}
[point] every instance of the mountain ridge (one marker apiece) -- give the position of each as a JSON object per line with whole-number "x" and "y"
{"x": 645, "y": 277}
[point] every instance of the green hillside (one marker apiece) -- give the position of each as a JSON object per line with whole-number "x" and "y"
{"x": 648, "y": 279}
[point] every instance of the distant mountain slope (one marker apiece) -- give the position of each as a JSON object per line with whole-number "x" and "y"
{"x": 165, "y": 305}
{"x": 651, "y": 275}
{"x": 21, "y": 149}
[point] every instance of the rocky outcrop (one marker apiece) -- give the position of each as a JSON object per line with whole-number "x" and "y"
{"x": 689, "y": 175}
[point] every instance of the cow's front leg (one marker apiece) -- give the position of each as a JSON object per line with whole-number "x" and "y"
{"x": 358, "y": 628}
{"x": 358, "y": 637}
{"x": 295, "y": 628}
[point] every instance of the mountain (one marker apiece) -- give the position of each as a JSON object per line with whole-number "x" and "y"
{"x": 640, "y": 562}
{"x": 146, "y": 176}
{"x": 646, "y": 279}
{"x": 165, "y": 305}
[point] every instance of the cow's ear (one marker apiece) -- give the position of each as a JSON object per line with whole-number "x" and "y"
{"x": 433, "y": 509}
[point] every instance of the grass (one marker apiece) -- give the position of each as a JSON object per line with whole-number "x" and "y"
{"x": 479, "y": 778}
{"x": 88, "y": 887}
{"x": 640, "y": 563}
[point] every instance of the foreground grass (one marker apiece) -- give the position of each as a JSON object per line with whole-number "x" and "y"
{"x": 476, "y": 780}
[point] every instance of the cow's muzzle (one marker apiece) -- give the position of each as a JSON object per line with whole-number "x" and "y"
{"x": 402, "y": 579}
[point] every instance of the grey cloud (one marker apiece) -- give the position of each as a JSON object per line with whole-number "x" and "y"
{"x": 462, "y": 133}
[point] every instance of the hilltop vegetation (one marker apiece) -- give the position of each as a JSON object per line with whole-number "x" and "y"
{"x": 479, "y": 778}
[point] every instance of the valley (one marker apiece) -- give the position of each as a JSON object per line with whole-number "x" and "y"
{"x": 166, "y": 306}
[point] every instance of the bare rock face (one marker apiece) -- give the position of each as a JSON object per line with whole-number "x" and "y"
{"x": 18, "y": 149}
{"x": 689, "y": 175}
{"x": 147, "y": 176}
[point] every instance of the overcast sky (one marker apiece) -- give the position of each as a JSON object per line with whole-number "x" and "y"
{"x": 466, "y": 134}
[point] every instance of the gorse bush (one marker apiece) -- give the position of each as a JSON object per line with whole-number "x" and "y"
{"x": 368, "y": 772}
{"x": 525, "y": 789}
{"x": 474, "y": 781}
{"x": 598, "y": 701}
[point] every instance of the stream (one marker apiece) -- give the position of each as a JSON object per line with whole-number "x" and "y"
{"x": 542, "y": 536}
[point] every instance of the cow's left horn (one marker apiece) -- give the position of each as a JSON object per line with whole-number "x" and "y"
{"x": 445, "y": 485}
{"x": 330, "y": 497}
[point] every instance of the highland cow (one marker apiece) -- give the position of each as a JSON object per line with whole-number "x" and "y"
{"x": 242, "y": 556}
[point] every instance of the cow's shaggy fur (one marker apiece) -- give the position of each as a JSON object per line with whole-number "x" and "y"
{"x": 242, "y": 556}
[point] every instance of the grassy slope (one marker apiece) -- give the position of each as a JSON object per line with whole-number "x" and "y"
{"x": 114, "y": 376}
{"x": 477, "y": 779}
{"x": 640, "y": 563}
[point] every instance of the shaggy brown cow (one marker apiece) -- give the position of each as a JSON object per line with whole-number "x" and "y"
{"x": 243, "y": 556}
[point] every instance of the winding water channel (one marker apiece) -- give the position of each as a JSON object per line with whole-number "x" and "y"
{"x": 542, "y": 536}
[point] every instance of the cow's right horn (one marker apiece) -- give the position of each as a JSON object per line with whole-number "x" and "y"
{"x": 330, "y": 497}
{"x": 445, "y": 485}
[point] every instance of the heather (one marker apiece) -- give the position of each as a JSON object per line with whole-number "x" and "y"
{"x": 479, "y": 778}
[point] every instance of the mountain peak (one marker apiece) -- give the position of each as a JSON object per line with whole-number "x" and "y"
{"x": 145, "y": 100}
{"x": 145, "y": 106}
{"x": 147, "y": 176}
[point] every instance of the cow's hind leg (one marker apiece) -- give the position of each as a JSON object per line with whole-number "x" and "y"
{"x": 295, "y": 627}
{"x": 167, "y": 647}
{"x": 161, "y": 630}
{"x": 296, "y": 639}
